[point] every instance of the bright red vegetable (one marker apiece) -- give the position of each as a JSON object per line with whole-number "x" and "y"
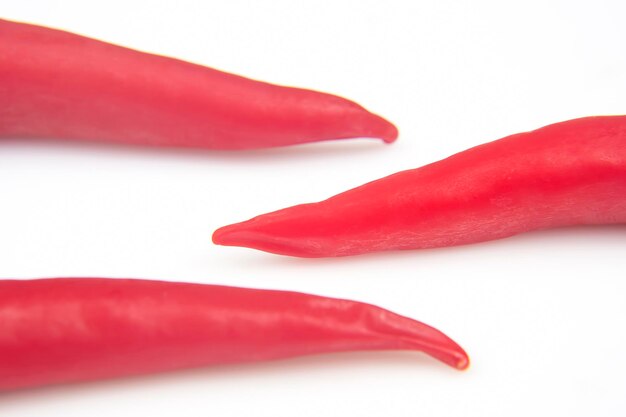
{"x": 55, "y": 84}
{"x": 72, "y": 329}
{"x": 569, "y": 173}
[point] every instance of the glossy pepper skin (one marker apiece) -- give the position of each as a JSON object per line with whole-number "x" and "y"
{"x": 568, "y": 173}
{"x": 55, "y": 84}
{"x": 74, "y": 329}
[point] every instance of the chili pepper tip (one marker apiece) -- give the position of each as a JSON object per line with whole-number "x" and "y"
{"x": 463, "y": 363}
{"x": 356, "y": 121}
{"x": 273, "y": 233}
{"x": 383, "y": 129}
{"x": 452, "y": 355}
{"x": 244, "y": 235}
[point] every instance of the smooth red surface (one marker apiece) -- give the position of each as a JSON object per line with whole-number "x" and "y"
{"x": 74, "y": 329}
{"x": 569, "y": 173}
{"x": 55, "y": 84}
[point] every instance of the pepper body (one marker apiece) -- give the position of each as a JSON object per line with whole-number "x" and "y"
{"x": 55, "y": 84}
{"x": 75, "y": 329}
{"x": 569, "y": 173}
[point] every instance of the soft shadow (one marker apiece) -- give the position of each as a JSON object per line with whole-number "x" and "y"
{"x": 288, "y": 153}
{"x": 333, "y": 362}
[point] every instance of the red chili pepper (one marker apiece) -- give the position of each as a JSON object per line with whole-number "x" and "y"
{"x": 72, "y": 329}
{"x": 569, "y": 173}
{"x": 55, "y": 84}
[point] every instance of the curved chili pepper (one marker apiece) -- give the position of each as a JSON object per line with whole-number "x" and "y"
{"x": 569, "y": 173}
{"x": 55, "y": 84}
{"x": 72, "y": 329}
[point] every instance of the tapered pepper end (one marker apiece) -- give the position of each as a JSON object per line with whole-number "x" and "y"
{"x": 347, "y": 120}
{"x": 305, "y": 230}
{"x": 375, "y": 126}
{"x": 247, "y": 234}
{"x": 463, "y": 362}
{"x": 448, "y": 352}
{"x": 456, "y": 358}
{"x": 311, "y": 116}
{"x": 415, "y": 335}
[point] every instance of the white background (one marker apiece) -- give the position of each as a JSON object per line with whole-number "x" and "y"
{"x": 543, "y": 315}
